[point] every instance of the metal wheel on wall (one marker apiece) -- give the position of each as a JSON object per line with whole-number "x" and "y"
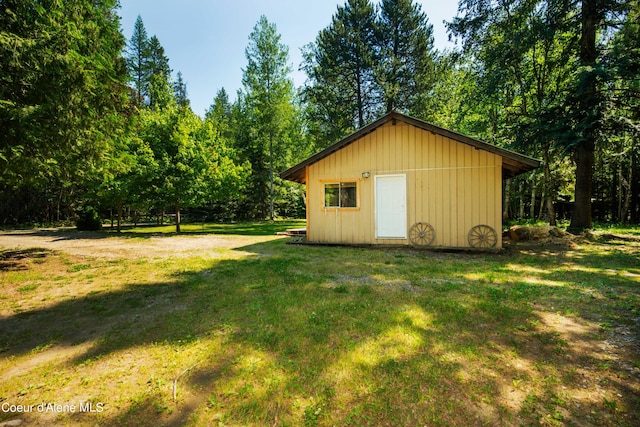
{"x": 422, "y": 234}
{"x": 482, "y": 236}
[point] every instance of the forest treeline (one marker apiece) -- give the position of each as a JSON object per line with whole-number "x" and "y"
{"x": 90, "y": 120}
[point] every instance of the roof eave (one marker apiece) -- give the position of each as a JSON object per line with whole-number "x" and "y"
{"x": 516, "y": 163}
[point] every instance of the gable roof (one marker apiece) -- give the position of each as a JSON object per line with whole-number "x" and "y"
{"x": 512, "y": 163}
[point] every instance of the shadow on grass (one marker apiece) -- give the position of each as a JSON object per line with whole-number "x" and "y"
{"x": 343, "y": 336}
{"x": 14, "y": 260}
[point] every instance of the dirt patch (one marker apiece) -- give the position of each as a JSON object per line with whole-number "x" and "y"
{"x": 105, "y": 246}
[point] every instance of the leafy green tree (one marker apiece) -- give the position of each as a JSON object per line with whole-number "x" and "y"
{"x": 178, "y": 179}
{"x": 623, "y": 115}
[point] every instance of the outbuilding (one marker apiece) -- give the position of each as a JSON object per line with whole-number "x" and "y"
{"x": 403, "y": 181}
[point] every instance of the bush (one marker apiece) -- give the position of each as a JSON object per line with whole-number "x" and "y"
{"x": 89, "y": 220}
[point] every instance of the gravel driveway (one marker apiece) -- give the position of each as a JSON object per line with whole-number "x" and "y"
{"x": 112, "y": 246}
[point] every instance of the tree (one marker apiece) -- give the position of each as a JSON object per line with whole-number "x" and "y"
{"x": 406, "y": 66}
{"x": 268, "y": 103}
{"x": 541, "y": 59}
{"x": 616, "y": 174}
{"x": 137, "y": 58}
{"x": 63, "y": 96}
{"x": 159, "y": 70}
{"x": 178, "y": 179}
{"x": 340, "y": 67}
{"x": 180, "y": 91}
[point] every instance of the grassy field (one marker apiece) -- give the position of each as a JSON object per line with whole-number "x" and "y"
{"x": 263, "y": 333}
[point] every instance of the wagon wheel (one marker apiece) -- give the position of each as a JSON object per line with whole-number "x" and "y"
{"x": 422, "y": 234}
{"x": 482, "y": 236}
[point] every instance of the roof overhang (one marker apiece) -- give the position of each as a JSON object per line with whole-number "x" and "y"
{"x": 513, "y": 163}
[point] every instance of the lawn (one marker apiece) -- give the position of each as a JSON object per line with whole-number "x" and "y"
{"x": 258, "y": 332}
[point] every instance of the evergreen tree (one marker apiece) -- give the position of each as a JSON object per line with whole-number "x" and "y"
{"x": 158, "y": 62}
{"x": 340, "y": 67}
{"x": 220, "y": 115}
{"x": 539, "y": 60}
{"x": 268, "y": 102}
{"x": 137, "y": 59}
{"x": 62, "y": 98}
{"x": 180, "y": 91}
{"x": 406, "y": 67}
{"x": 159, "y": 70}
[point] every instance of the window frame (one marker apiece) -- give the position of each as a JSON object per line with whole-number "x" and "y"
{"x": 340, "y": 183}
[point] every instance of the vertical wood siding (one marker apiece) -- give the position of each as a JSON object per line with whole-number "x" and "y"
{"x": 450, "y": 185}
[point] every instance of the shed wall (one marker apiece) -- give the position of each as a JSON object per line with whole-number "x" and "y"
{"x": 450, "y": 185}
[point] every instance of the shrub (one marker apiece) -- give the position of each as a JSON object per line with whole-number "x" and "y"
{"x": 89, "y": 220}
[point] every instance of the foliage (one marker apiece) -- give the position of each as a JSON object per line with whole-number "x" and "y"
{"x": 341, "y": 91}
{"x": 544, "y": 95}
{"x": 269, "y": 138}
{"x": 62, "y": 97}
{"x": 406, "y": 68}
{"x": 136, "y": 57}
{"x": 552, "y": 79}
{"x": 89, "y": 220}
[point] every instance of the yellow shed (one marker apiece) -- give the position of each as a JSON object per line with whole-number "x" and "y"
{"x": 402, "y": 181}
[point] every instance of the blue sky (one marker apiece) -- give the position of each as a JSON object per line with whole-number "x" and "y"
{"x": 206, "y": 39}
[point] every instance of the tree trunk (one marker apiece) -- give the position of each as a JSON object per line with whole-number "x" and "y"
{"x": 119, "y": 216}
{"x": 549, "y": 190}
{"x": 506, "y": 200}
{"x": 582, "y": 218}
{"x": 271, "y": 216}
{"x": 635, "y": 187}
{"x": 178, "y": 217}
{"x": 520, "y": 194}
{"x": 625, "y": 195}
{"x": 588, "y": 108}
{"x": 532, "y": 207}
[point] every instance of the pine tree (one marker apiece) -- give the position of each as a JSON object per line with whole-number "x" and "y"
{"x": 62, "y": 96}
{"x": 180, "y": 91}
{"x": 137, "y": 58}
{"x": 268, "y": 102}
{"x": 340, "y": 65}
{"x": 158, "y": 69}
{"x": 405, "y": 70}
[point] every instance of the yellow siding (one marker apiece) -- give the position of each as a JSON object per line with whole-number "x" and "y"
{"x": 450, "y": 185}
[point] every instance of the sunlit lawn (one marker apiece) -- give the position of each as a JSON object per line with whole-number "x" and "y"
{"x": 273, "y": 334}
{"x": 244, "y": 228}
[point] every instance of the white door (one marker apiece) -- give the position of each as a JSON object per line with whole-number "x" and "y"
{"x": 391, "y": 206}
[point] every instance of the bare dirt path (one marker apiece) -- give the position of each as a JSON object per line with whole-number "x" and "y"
{"x": 111, "y": 246}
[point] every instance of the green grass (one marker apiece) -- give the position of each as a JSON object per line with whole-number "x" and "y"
{"x": 242, "y": 229}
{"x": 276, "y": 334}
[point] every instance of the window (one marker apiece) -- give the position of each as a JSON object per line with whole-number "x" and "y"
{"x": 341, "y": 195}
